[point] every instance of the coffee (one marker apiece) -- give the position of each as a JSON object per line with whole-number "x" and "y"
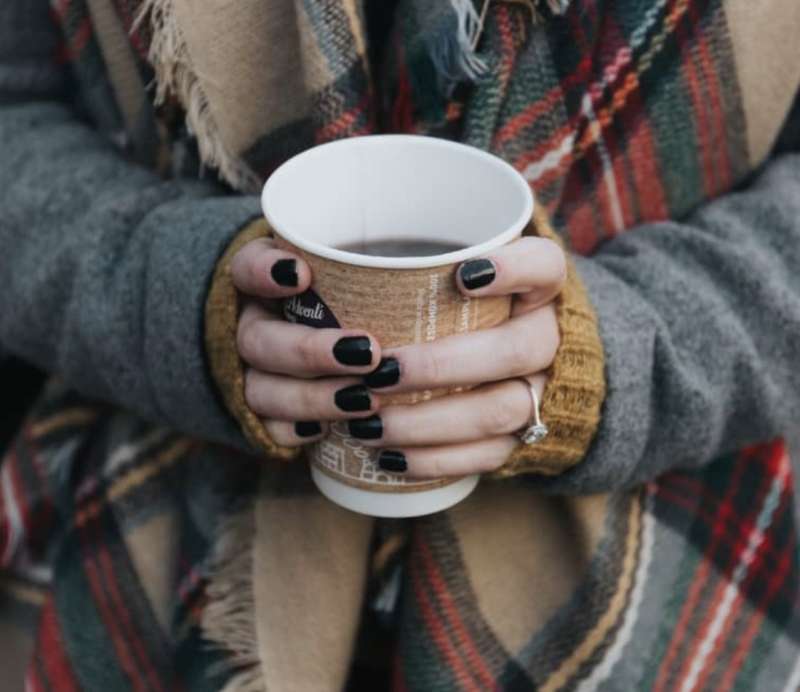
{"x": 401, "y": 247}
{"x": 398, "y": 284}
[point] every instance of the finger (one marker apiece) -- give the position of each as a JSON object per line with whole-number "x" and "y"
{"x": 534, "y": 268}
{"x": 290, "y": 399}
{"x": 485, "y": 412}
{"x": 262, "y": 270}
{"x": 297, "y": 433}
{"x": 450, "y": 460}
{"x": 281, "y": 347}
{"x": 522, "y": 345}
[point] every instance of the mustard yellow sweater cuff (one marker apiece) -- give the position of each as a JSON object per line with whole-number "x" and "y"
{"x": 576, "y": 387}
{"x": 570, "y": 404}
{"x": 221, "y": 319}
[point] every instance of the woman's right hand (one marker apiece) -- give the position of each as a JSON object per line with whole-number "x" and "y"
{"x": 297, "y": 378}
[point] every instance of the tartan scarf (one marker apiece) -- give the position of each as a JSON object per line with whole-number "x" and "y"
{"x": 616, "y": 113}
{"x": 111, "y": 528}
{"x": 290, "y": 73}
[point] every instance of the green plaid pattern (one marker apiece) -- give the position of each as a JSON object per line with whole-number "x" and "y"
{"x": 616, "y": 113}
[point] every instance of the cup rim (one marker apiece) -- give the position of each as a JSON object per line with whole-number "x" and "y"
{"x": 422, "y": 262}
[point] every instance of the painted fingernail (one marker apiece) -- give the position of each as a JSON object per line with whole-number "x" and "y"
{"x": 353, "y": 350}
{"x": 392, "y": 460}
{"x": 366, "y": 428}
{"x": 284, "y": 272}
{"x": 307, "y": 428}
{"x": 477, "y": 273}
{"x": 353, "y": 398}
{"x": 385, "y": 375}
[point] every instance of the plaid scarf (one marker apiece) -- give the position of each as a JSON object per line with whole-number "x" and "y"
{"x": 116, "y": 530}
{"x": 616, "y": 113}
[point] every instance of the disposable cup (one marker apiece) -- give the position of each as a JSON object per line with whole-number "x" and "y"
{"x": 389, "y": 187}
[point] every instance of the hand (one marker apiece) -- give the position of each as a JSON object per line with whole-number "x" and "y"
{"x": 471, "y": 432}
{"x": 297, "y": 377}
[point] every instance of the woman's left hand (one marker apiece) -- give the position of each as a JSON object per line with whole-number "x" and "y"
{"x": 473, "y": 431}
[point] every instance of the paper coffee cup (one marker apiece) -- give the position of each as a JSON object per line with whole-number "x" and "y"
{"x": 385, "y": 187}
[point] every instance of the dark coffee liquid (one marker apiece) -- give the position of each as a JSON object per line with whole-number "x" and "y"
{"x": 401, "y": 247}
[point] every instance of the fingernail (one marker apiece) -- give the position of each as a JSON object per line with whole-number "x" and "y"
{"x": 385, "y": 375}
{"x": 392, "y": 460}
{"x": 366, "y": 428}
{"x": 307, "y": 428}
{"x": 353, "y": 398}
{"x": 477, "y": 273}
{"x": 353, "y": 350}
{"x": 284, "y": 272}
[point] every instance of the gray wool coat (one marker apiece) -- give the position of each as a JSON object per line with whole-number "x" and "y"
{"x": 105, "y": 269}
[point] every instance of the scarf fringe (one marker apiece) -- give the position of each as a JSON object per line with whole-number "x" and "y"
{"x": 229, "y": 622}
{"x": 170, "y": 59}
{"x": 455, "y": 55}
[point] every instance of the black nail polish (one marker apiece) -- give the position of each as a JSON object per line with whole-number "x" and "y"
{"x": 385, "y": 375}
{"x": 391, "y": 460}
{"x": 353, "y": 350}
{"x": 353, "y": 398}
{"x": 366, "y": 428}
{"x": 477, "y": 273}
{"x": 284, "y": 272}
{"x": 307, "y": 428}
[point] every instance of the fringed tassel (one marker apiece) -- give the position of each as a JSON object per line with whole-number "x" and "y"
{"x": 169, "y": 57}
{"x": 229, "y": 618}
{"x": 455, "y": 56}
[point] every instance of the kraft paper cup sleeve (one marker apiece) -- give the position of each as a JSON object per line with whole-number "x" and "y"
{"x": 398, "y": 307}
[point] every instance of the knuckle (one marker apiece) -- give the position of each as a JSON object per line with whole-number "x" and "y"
{"x": 500, "y": 417}
{"x": 237, "y": 268}
{"x": 254, "y": 270}
{"x": 432, "y": 366}
{"x": 548, "y": 338}
{"x": 549, "y": 350}
{"x": 308, "y": 350}
{"x": 309, "y": 401}
{"x": 280, "y": 434}
{"x": 520, "y": 352}
{"x": 556, "y": 262}
{"x": 252, "y": 391}
{"x": 399, "y": 426}
{"x": 247, "y": 340}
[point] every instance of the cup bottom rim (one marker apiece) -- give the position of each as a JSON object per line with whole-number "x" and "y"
{"x": 393, "y": 505}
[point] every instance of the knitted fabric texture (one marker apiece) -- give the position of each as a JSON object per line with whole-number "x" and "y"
{"x": 571, "y": 401}
{"x": 532, "y": 592}
{"x": 617, "y": 113}
{"x": 575, "y": 389}
{"x": 222, "y": 315}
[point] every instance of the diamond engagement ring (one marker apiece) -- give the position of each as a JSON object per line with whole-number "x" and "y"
{"x": 535, "y": 430}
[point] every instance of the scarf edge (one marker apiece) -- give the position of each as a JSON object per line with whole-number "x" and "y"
{"x": 168, "y": 55}
{"x": 228, "y": 621}
{"x": 455, "y": 55}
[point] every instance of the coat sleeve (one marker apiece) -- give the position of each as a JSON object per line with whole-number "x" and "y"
{"x": 700, "y": 325}
{"x": 105, "y": 267}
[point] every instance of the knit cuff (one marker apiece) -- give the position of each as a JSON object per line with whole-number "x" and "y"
{"x": 221, "y": 320}
{"x": 570, "y": 404}
{"x": 576, "y": 386}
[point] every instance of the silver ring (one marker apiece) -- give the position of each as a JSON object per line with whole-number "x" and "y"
{"x": 535, "y": 430}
